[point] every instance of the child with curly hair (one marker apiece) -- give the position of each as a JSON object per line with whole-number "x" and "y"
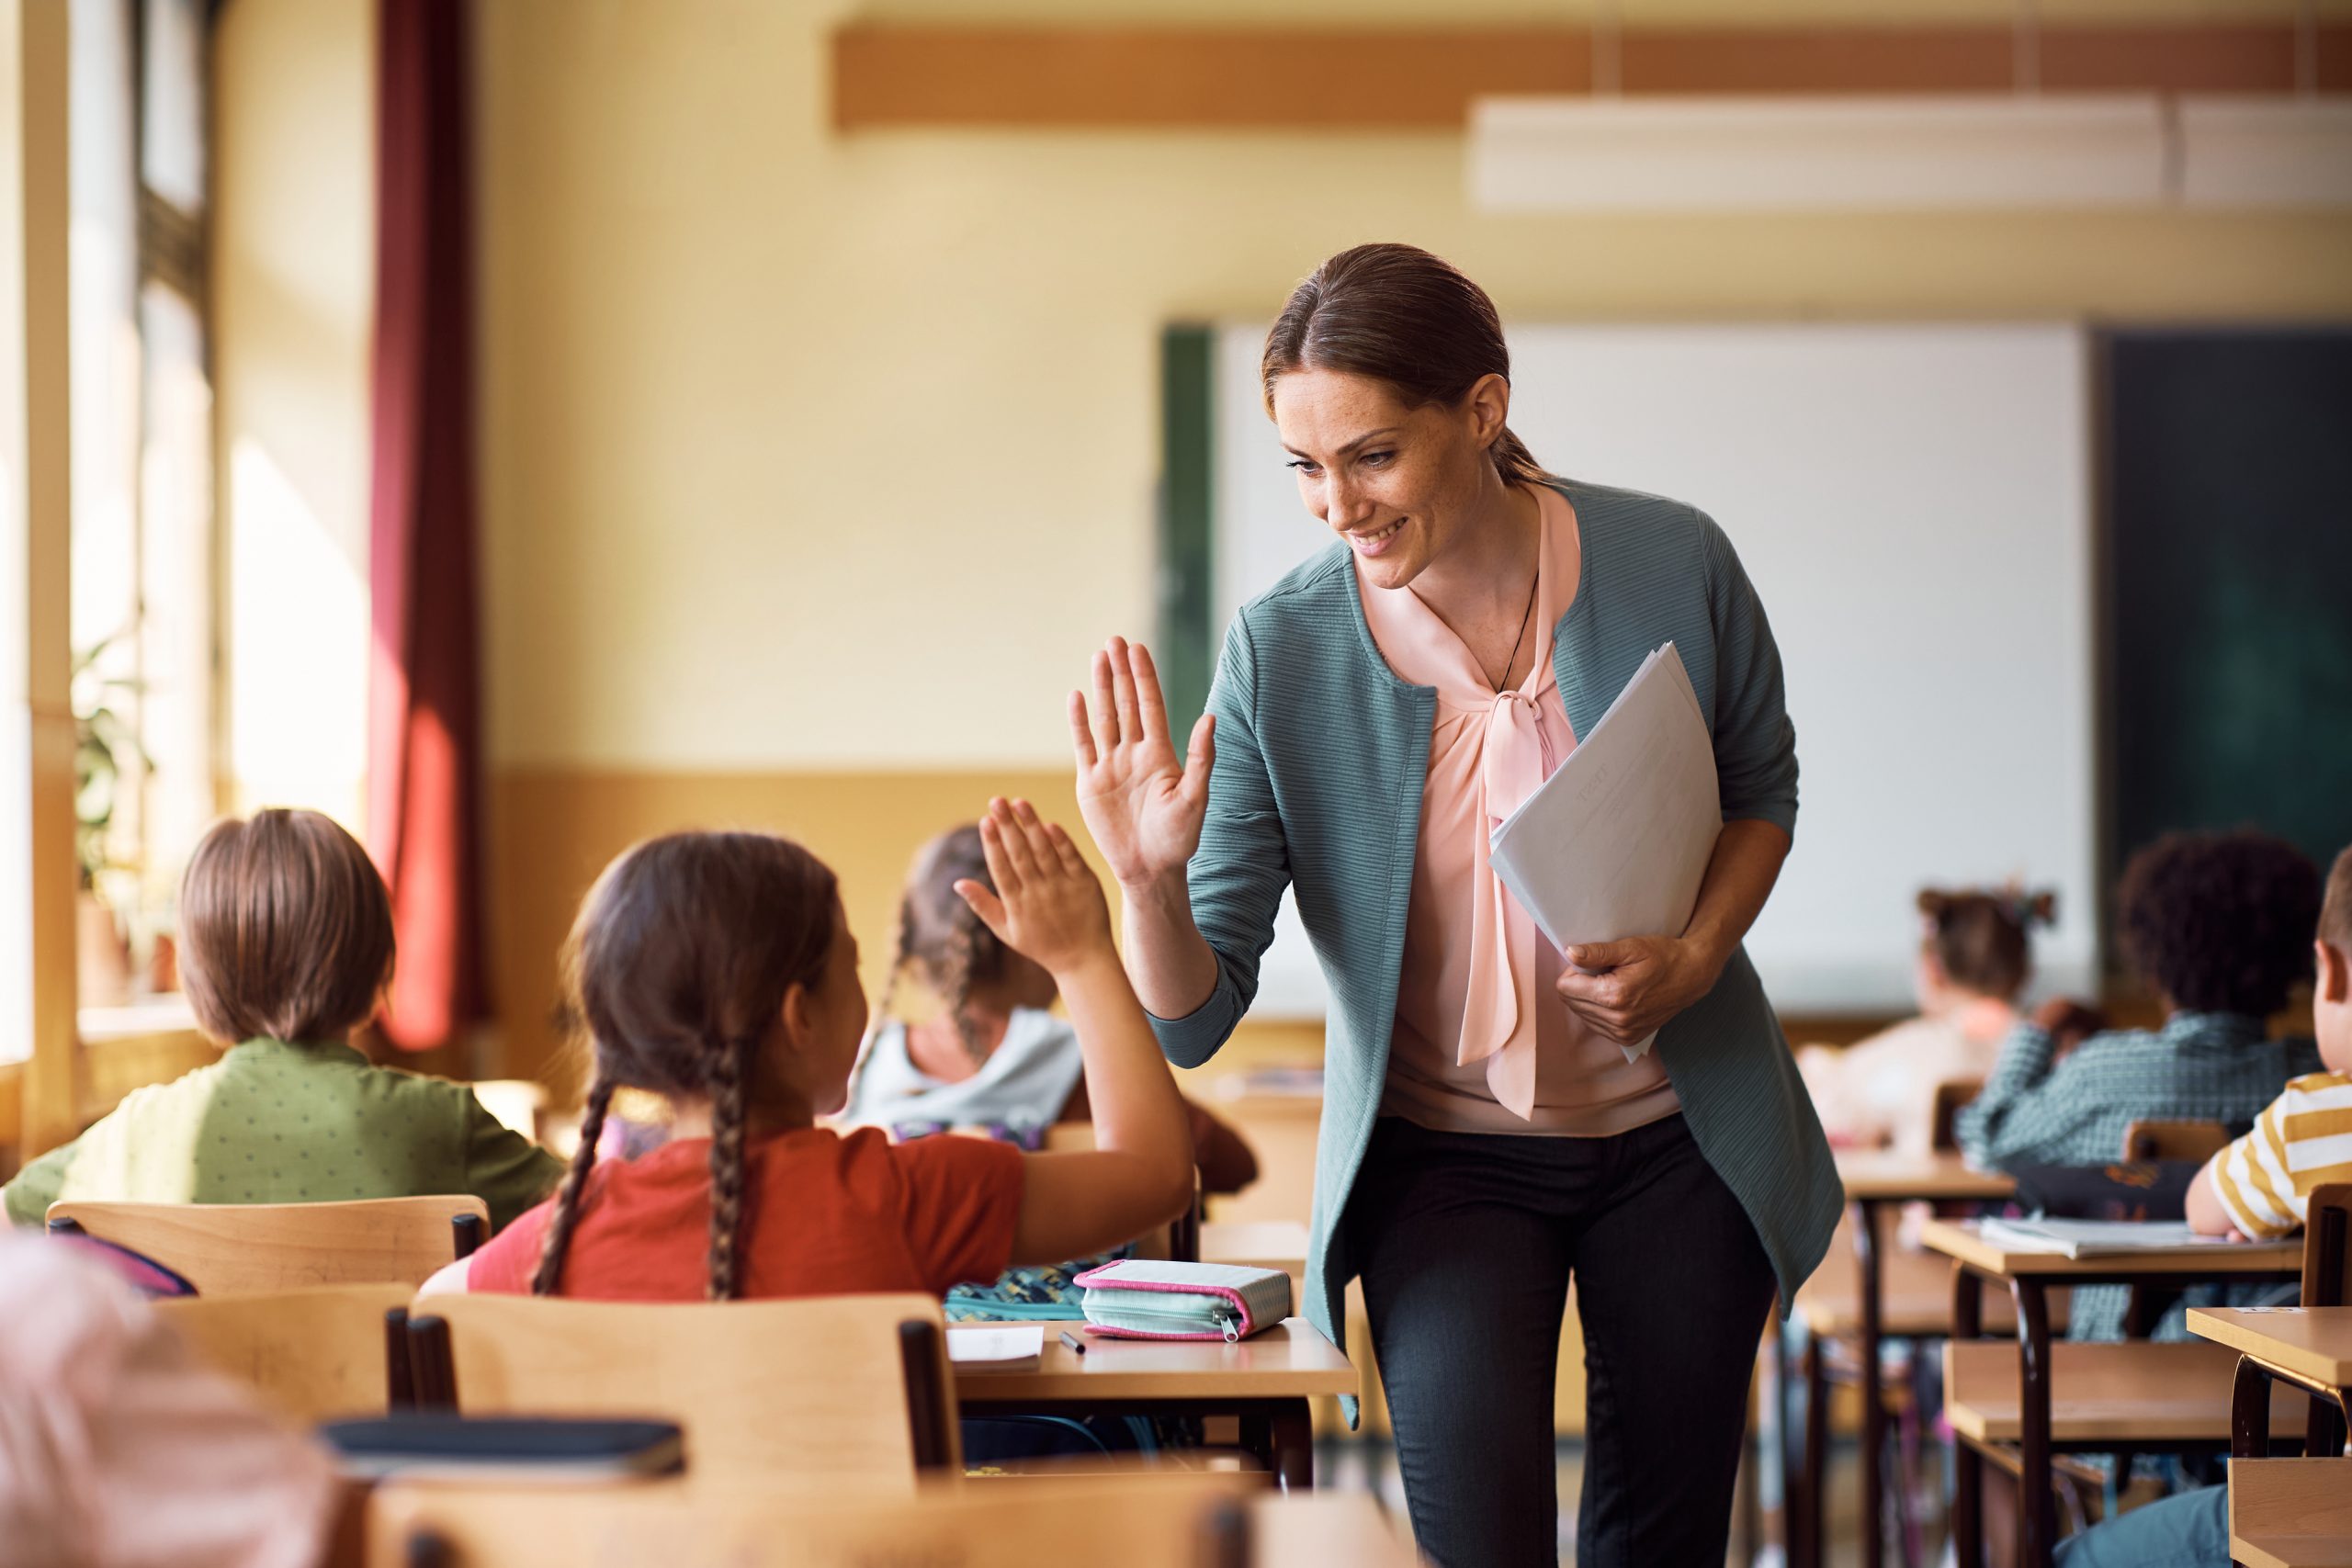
{"x": 2219, "y": 924}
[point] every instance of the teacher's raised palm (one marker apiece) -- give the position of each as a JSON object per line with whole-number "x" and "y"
{"x": 1143, "y": 804}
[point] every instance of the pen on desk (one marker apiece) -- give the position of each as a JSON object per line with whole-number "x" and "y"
{"x": 1071, "y": 1340}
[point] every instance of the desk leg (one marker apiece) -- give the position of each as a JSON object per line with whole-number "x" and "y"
{"x": 2037, "y": 1510}
{"x": 2250, "y": 1410}
{"x": 1816, "y": 1454}
{"x": 1866, "y": 1214}
{"x": 1967, "y": 1465}
{"x": 1281, "y": 1434}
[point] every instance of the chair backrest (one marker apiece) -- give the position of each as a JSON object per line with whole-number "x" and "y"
{"x": 1163, "y": 1521}
{"x": 828, "y": 1385}
{"x": 1951, "y": 1096}
{"x": 313, "y": 1355}
{"x": 246, "y": 1247}
{"x": 2174, "y": 1140}
{"x": 2327, "y": 1247}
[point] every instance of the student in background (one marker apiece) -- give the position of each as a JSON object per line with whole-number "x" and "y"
{"x": 2260, "y": 1186}
{"x": 993, "y": 1054}
{"x": 286, "y": 946}
{"x": 1975, "y": 955}
{"x": 2216, "y": 923}
{"x": 717, "y": 970}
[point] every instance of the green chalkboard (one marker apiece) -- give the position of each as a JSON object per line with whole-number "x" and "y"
{"x": 2227, "y": 545}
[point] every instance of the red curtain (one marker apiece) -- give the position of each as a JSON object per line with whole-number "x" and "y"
{"x": 424, "y": 805}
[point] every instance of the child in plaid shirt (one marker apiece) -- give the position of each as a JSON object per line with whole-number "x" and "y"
{"x": 2216, "y": 923}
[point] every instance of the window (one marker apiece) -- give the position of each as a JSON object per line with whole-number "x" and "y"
{"x": 143, "y": 553}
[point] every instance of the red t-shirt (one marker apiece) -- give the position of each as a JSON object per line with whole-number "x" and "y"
{"x": 823, "y": 1214}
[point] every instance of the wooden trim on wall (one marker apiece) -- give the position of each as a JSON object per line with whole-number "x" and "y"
{"x": 1424, "y": 79}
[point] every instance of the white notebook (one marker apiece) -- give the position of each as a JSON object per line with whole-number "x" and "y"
{"x": 2096, "y": 1238}
{"x": 1616, "y": 841}
{"x": 996, "y": 1347}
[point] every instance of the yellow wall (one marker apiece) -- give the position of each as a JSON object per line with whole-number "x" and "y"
{"x": 293, "y": 302}
{"x": 812, "y": 467}
{"x": 784, "y": 431}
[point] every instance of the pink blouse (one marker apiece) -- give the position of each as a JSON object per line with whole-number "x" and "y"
{"x": 1482, "y": 1041}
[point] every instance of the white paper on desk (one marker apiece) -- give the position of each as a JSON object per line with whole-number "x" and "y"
{"x": 2099, "y": 1238}
{"x": 1022, "y": 1342}
{"x": 1616, "y": 841}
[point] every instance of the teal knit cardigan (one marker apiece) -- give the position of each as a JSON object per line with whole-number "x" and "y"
{"x": 1321, "y": 755}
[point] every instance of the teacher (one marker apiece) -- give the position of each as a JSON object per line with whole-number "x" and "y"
{"x": 1485, "y": 1138}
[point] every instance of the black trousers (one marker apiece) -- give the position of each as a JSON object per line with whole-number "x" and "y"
{"x": 1466, "y": 1243}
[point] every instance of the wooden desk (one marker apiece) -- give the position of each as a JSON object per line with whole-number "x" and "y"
{"x": 2290, "y": 1513}
{"x": 2029, "y": 1277}
{"x": 1266, "y": 1380}
{"x": 2309, "y": 1347}
{"x": 1877, "y": 1183}
{"x": 1328, "y": 1527}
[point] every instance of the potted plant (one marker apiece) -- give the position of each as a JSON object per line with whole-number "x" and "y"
{"x": 104, "y": 743}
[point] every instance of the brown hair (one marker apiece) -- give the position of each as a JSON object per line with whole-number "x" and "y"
{"x": 286, "y": 932}
{"x": 1400, "y": 315}
{"x": 2336, "y": 907}
{"x": 1980, "y": 939}
{"x": 939, "y": 934}
{"x": 2220, "y": 922}
{"x": 677, "y": 969}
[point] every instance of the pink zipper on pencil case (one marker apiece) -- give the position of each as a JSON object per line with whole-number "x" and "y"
{"x": 1248, "y": 1326}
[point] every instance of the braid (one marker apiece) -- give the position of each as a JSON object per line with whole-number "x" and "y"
{"x": 558, "y": 1240}
{"x": 965, "y": 934}
{"x": 728, "y": 1096}
{"x": 898, "y": 956}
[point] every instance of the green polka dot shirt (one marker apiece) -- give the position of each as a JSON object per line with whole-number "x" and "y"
{"x": 272, "y": 1122}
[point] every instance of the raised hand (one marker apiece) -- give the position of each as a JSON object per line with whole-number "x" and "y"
{"x": 1142, "y": 805}
{"x": 1047, "y": 903}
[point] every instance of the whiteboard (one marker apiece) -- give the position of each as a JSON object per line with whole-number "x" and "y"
{"x": 1913, "y": 504}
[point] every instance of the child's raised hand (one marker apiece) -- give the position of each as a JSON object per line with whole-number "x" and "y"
{"x": 1047, "y": 905}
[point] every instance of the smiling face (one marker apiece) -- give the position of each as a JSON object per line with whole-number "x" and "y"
{"x": 1399, "y": 484}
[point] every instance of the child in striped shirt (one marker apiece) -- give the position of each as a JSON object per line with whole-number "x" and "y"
{"x": 2260, "y": 1186}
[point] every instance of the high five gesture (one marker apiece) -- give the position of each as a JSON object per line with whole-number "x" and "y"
{"x": 1143, "y": 807}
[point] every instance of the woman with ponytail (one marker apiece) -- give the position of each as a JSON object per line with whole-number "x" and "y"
{"x": 716, "y": 970}
{"x": 1484, "y": 1136}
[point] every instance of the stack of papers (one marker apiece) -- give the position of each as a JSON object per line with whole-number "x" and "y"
{"x": 2096, "y": 1238}
{"x": 1616, "y": 841}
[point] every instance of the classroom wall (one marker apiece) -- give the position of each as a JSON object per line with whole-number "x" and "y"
{"x": 293, "y": 316}
{"x": 813, "y": 467}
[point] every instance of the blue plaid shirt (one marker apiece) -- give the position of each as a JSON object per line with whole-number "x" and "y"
{"x": 2201, "y": 1067}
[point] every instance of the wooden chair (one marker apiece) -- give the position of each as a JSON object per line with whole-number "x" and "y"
{"x": 2174, "y": 1140}
{"x": 1182, "y": 1520}
{"x": 829, "y": 1388}
{"x": 246, "y": 1247}
{"x": 1951, "y": 1097}
{"x": 2327, "y": 1282}
{"x": 313, "y": 1355}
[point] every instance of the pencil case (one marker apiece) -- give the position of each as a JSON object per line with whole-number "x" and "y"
{"x": 1146, "y": 1298}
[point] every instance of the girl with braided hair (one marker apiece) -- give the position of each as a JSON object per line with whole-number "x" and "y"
{"x": 992, "y": 1055}
{"x": 717, "y": 971}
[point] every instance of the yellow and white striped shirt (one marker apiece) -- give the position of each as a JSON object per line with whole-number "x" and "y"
{"x": 2302, "y": 1142}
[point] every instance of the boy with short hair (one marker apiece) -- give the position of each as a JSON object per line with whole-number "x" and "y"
{"x": 286, "y": 943}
